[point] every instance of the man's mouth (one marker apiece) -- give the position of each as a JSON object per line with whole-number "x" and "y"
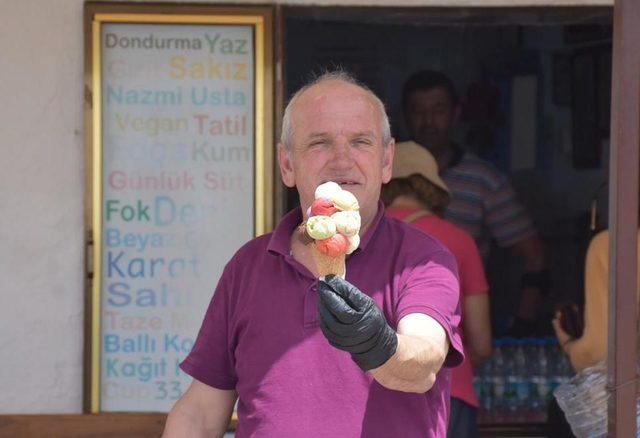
{"x": 344, "y": 183}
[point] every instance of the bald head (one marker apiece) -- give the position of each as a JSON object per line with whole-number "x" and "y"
{"x": 337, "y": 78}
{"x": 336, "y": 130}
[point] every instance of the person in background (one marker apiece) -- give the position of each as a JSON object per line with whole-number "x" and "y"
{"x": 482, "y": 199}
{"x": 591, "y": 347}
{"x": 418, "y": 196}
{"x": 329, "y": 358}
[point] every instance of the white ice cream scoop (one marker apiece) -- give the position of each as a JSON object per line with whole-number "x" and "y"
{"x": 345, "y": 200}
{"x": 347, "y": 222}
{"x": 327, "y": 190}
{"x": 354, "y": 243}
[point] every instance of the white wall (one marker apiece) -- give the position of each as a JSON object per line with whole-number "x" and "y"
{"x": 41, "y": 194}
{"x": 41, "y": 190}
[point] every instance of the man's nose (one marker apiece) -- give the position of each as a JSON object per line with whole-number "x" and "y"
{"x": 428, "y": 118}
{"x": 342, "y": 154}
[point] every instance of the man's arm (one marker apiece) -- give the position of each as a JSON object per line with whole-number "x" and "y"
{"x": 202, "y": 411}
{"x": 511, "y": 227}
{"x": 407, "y": 360}
{"x": 477, "y": 328}
{"x": 422, "y": 349}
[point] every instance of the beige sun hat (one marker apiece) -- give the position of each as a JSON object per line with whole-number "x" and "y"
{"x": 410, "y": 158}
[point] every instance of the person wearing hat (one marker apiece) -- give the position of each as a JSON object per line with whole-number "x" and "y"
{"x": 417, "y": 195}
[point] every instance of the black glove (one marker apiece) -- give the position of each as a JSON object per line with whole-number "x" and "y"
{"x": 352, "y": 322}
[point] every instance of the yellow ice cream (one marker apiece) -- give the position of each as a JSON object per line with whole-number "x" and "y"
{"x": 345, "y": 200}
{"x": 347, "y": 222}
{"x": 321, "y": 227}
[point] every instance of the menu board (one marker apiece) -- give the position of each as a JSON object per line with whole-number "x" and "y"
{"x": 177, "y": 192}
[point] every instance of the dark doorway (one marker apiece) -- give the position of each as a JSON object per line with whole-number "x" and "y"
{"x": 545, "y": 75}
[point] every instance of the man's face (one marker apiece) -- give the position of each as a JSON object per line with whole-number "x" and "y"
{"x": 430, "y": 116}
{"x": 337, "y": 137}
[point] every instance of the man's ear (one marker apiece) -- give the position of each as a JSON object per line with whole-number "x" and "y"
{"x": 387, "y": 161}
{"x": 286, "y": 166}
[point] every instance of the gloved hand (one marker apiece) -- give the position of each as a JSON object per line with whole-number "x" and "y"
{"x": 352, "y": 322}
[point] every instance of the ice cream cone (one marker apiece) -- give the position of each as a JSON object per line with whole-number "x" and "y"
{"x": 328, "y": 265}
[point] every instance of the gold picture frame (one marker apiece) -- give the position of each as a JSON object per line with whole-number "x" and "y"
{"x": 96, "y": 15}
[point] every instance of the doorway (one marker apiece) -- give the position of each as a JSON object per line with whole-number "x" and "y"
{"x": 535, "y": 87}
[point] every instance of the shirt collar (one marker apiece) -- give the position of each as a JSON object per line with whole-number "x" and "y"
{"x": 280, "y": 241}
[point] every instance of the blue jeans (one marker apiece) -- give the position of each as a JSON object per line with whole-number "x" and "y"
{"x": 462, "y": 420}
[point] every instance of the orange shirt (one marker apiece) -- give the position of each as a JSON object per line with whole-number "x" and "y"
{"x": 472, "y": 281}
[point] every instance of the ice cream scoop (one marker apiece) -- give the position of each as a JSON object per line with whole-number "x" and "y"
{"x": 322, "y": 207}
{"x": 333, "y": 224}
{"x": 327, "y": 190}
{"x": 334, "y": 246}
{"x": 321, "y": 227}
{"x": 354, "y": 243}
{"x": 347, "y": 222}
{"x": 345, "y": 200}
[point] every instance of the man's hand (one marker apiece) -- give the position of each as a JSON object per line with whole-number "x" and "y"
{"x": 352, "y": 322}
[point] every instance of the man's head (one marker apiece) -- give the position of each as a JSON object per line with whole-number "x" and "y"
{"x": 431, "y": 109}
{"x": 335, "y": 129}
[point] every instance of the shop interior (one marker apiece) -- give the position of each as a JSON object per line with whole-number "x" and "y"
{"x": 535, "y": 86}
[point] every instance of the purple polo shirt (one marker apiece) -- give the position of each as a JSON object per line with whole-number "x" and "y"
{"x": 260, "y": 336}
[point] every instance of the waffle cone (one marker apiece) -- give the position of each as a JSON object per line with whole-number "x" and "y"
{"x": 328, "y": 265}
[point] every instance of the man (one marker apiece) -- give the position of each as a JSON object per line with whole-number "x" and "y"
{"x": 483, "y": 202}
{"x": 309, "y": 358}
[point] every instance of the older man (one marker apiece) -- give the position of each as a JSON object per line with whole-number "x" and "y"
{"x": 310, "y": 358}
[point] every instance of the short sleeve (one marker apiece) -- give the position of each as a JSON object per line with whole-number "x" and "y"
{"x": 432, "y": 288}
{"x": 211, "y": 358}
{"x": 472, "y": 276}
{"x": 506, "y": 217}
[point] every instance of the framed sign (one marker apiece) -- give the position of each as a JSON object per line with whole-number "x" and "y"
{"x": 179, "y": 125}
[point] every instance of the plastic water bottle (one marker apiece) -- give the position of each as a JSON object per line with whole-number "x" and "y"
{"x": 565, "y": 369}
{"x": 554, "y": 360}
{"x": 477, "y": 383}
{"x": 496, "y": 382}
{"x": 511, "y": 376}
{"x": 483, "y": 385}
{"x": 522, "y": 373}
{"x": 539, "y": 392}
{"x": 529, "y": 347}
